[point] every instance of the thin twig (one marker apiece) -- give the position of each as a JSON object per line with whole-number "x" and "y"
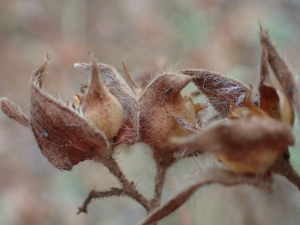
{"x": 99, "y": 194}
{"x": 212, "y": 176}
{"x": 128, "y": 187}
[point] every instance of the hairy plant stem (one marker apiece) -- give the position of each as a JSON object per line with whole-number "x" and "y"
{"x": 128, "y": 188}
{"x": 283, "y": 167}
{"x": 159, "y": 183}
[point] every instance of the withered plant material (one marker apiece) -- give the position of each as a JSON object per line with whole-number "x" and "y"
{"x": 220, "y": 90}
{"x": 269, "y": 101}
{"x": 12, "y": 111}
{"x": 248, "y": 145}
{"x": 208, "y": 177}
{"x": 248, "y": 111}
{"x": 186, "y": 125}
{"x": 126, "y": 192}
{"x": 101, "y": 107}
{"x": 128, "y": 189}
{"x": 131, "y": 82}
{"x": 64, "y": 136}
{"x": 281, "y": 70}
{"x": 161, "y": 101}
{"x": 273, "y": 101}
{"x": 118, "y": 87}
{"x": 283, "y": 167}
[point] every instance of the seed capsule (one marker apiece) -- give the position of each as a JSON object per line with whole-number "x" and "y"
{"x": 101, "y": 107}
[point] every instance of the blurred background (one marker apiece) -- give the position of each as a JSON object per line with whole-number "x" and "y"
{"x": 149, "y": 36}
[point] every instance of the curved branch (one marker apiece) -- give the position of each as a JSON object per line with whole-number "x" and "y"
{"x": 213, "y": 176}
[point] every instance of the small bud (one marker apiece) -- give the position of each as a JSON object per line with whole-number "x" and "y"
{"x": 101, "y": 107}
{"x": 161, "y": 101}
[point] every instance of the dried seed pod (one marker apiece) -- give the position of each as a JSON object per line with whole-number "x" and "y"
{"x": 118, "y": 87}
{"x": 220, "y": 90}
{"x": 101, "y": 107}
{"x": 248, "y": 145}
{"x": 64, "y": 136}
{"x": 161, "y": 100}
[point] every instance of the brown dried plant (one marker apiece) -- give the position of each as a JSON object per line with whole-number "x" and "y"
{"x": 250, "y": 137}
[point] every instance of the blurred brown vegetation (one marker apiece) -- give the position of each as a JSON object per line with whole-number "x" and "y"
{"x": 219, "y": 35}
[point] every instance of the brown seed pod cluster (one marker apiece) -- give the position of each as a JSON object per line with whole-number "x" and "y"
{"x": 250, "y": 132}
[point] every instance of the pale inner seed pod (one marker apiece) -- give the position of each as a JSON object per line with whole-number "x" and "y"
{"x": 101, "y": 107}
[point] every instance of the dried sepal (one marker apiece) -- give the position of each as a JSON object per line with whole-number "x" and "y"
{"x": 249, "y": 110}
{"x": 281, "y": 70}
{"x": 206, "y": 116}
{"x": 247, "y": 145}
{"x": 220, "y": 90}
{"x": 131, "y": 82}
{"x": 273, "y": 101}
{"x": 208, "y": 177}
{"x": 269, "y": 101}
{"x": 118, "y": 87}
{"x": 101, "y": 107}
{"x": 12, "y": 111}
{"x": 64, "y": 136}
{"x": 186, "y": 125}
{"x": 38, "y": 74}
{"x": 287, "y": 114}
{"x": 160, "y": 101}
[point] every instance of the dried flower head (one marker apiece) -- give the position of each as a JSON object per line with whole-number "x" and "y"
{"x": 251, "y": 139}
